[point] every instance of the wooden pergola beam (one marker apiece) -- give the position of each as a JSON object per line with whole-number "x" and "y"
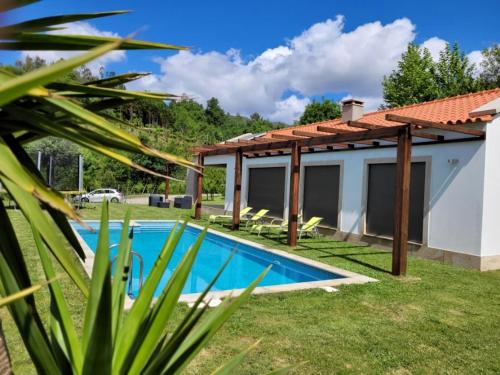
{"x": 402, "y": 203}
{"x": 419, "y": 134}
{"x": 293, "y": 206}
{"x": 238, "y": 159}
{"x": 199, "y": 188}
{"x": 434, "y": 125}
{"x": 351, "y": 137}
{"x": 286, "y": 136}
{"x": 303, "y": 133}
{"x": 330, "y": 147}
{"x": 327, "y": 129}
{"x": 247, "y": 141}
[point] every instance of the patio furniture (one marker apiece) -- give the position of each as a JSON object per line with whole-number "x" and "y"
{"x": 213, "y": 218}
{"x": 154, "y": 199}
{"x": 185, "y": 202}
{"x": 255, "y": 219}
{"x": 310, "y": 227}
{"x": 274, "y": 224}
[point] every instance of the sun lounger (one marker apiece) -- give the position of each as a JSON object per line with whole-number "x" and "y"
{"x": 310, "y": 227}
{"x": 276, "y": 224}
{"x": 255, "y": 219}
{"x": 213, "y": 218}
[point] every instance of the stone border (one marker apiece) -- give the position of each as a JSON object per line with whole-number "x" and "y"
{"x": 349, "y": 277}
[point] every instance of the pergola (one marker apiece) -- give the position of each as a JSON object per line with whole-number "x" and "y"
{"x": 331, "y": 138}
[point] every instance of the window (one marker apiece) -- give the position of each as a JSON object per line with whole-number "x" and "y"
{"x": 321, "y": 193}
{"x": 380, "y": 202}
{"x": 266, "y": 189}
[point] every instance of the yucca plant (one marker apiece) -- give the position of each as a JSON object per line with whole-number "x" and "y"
{"x": 137, "y": 342}
{"x": 35, "y": 105}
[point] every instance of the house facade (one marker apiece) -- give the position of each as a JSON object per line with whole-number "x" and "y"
{"x": 454, "y": 213}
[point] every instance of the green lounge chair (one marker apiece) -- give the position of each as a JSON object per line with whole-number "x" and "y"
{"x": 255, "y": 219}
{"x": 222, "y": 218}
{"x": 269, "y": 227}
{"x": 310, "y": 227}
{"x": 275, "y": 224}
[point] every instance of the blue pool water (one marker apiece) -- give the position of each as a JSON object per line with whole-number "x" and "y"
{"x": 246, "y": 265}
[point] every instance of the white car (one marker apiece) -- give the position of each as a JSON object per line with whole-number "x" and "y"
{"x": 96, "y": 196}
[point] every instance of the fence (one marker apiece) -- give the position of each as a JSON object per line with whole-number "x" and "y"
{"x": 63, "y": 172}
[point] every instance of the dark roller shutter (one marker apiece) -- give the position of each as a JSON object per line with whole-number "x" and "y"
{"x": 266, "y": 189}
{"x": 380, "y": 205}
{"x": 321, "y": 193}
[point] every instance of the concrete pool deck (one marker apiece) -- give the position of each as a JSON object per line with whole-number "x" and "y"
{"x": 348, "y": 277}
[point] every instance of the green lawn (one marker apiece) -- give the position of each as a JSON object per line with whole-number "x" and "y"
{"x": 438, "y": 319}
{"x": 218, "y": 200}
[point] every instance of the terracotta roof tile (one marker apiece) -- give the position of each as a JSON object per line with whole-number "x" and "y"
{"x": 453, "y": 110}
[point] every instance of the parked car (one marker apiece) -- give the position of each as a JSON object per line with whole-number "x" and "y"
{"x": 95, "y": 196}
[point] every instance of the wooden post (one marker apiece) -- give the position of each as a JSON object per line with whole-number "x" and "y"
{"x": 167, "y": 182}
{"x": 238, "y": 158}
{"x": 402, "y": 203}
{"x": 293, "y": 206}
{"x": 199, "y": 188}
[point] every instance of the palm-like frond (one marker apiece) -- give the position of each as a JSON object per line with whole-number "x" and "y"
{"x": 32, "y": 106}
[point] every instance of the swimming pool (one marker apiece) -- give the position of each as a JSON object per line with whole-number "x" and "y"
{"x": 248, "y": 262}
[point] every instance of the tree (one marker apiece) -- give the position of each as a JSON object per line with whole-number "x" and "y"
{"x": 214, "y": 181}
{"x": 30, "y": 63}
{"x": 489, "y": 77}
{"x": 454, "y": 74}
{"x": 320, "y": 111}
{"x": 214, "y": 113}
{"x": 413, "y": 81}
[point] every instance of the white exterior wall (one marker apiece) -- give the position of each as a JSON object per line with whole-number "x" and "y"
{"x": 454, "y": 192}
{"x": 491, "y": 212}
{"x": 228, "y": 160}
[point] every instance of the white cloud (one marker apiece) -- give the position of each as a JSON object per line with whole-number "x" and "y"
{"x": 435, "y": 45}
{"x": 476, "y": 57}
{"x": 80, "y": 28}
{"x": 289, "y": 109}
{"x": 323, "y": 59}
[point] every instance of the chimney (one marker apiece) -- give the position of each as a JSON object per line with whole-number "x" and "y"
{"x": 352, "y": 110}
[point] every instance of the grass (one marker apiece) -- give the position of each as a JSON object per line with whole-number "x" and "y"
{"x": 437, "y": 319}
{"x": 217, "y": 200}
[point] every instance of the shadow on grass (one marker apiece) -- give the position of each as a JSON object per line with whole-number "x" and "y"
{"x": 312, "y": 245}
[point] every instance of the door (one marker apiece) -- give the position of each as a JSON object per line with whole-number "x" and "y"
{"x": 108, "y": 194}
{"x": 380, "y": 203}
{"x": 97, "y": 196}
{"x": 321, "y": 193}
{"x": 266, "y": 189}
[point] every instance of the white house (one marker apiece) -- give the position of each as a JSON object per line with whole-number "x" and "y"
{"x": 455, "y": 179}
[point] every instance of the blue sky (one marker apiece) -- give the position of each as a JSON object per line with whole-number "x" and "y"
{"x": 281, "y": 54}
